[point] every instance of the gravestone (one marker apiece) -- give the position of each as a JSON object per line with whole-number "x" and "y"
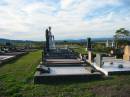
{"x": 50, "y": 42}
{"x": 126, "y": 55}
{"x": 89, "y": 49}
{"x": 98, "y": 60}
{"x": 89, "y": 44}
{"x": 47, "y": 40}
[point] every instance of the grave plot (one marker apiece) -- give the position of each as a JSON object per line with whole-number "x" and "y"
{"x": 8, "y": 56}
{"x": 4, "y": 58}
{"x": 114, "y": 67}
{"x": 60, "y": 64}
{"x": 111, "y": 65}
{"x": 52, "y": 74}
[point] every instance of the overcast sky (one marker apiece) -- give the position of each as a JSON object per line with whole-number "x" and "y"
{"x": 70, "y": 19}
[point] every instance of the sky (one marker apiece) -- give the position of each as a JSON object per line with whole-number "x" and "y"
{"x": 69, "y": 19}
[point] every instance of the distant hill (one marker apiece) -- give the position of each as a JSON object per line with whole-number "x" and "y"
{"x": 85, "y": 40}
{"x": 4, "y": 41}
{"x": 101, "y": 39}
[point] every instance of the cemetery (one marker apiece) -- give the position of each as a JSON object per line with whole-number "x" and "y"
{"x": 63, "y": 70}
{"x": 64, "y": 48}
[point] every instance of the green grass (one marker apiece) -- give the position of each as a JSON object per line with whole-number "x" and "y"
{"x": 80, "y": 49}
{"x": 16, "y": 77}
{"x": 16, "y": 80}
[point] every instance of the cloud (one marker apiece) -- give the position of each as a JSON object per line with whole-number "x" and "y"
{"x": 65, "y": 4}
{"x": 70, "y": 19}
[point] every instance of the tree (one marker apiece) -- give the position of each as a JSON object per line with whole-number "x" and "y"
{"x": 121, "y": 36}
{"x": 122, "y": 32}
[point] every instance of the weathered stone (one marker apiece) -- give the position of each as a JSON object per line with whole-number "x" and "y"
{"x": 126, "y": 55}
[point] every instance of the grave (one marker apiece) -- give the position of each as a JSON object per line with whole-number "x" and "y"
{"x": 65, "y": 73}
{"x": 5, "y": 57}
{"x": 61, "y": 64}
{"x": 8, "y": 53}
{"x": 126, "y": 55}
{"x": 111, "y": 65}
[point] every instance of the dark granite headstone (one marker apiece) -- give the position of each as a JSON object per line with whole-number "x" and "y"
{"x": 50, "y": 43}
{"x": 47, "y": 40}
{"x": 89, "y": 44}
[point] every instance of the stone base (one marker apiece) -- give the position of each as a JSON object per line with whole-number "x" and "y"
{"x": 40, "y": 79}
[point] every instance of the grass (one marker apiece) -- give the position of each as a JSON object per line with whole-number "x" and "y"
{"x": 16, "y": 80}
{"x": 80, "y": 49}
{"x": 16, "y": 77}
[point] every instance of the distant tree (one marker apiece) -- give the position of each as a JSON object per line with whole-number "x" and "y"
{"x": 121, "y": 36}
{"x": 122, "y": 32}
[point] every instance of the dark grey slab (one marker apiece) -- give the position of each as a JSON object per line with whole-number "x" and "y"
{"x": 62, "y": 78}
{"x": 65, "y": 73}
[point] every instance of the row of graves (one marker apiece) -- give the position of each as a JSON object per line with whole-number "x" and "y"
{"x": 109, "y": 63}
{"x": 8, "y": 52}
{"x": 60, "y": 64}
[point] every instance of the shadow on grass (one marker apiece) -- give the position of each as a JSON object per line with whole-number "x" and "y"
{"x": 74, "y": 81}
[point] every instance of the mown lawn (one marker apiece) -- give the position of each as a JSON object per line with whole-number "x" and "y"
{"x": 16, "y": 80}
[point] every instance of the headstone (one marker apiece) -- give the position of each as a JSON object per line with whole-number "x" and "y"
{"x": 89, "y": 56}
{"x": 99, "y": 60}
{"x": 89, "y": 44}
{"x": 107, "y": 43}
{"x": 47, "y": 40}
{"x": 50, "y": 42}
{"x": 110, "y": 43}
{"x": 89, "y": 50}
{"x": 80, "y": 56}
{"x": 126, "y": 55}
{"x": 113, "y": 44}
